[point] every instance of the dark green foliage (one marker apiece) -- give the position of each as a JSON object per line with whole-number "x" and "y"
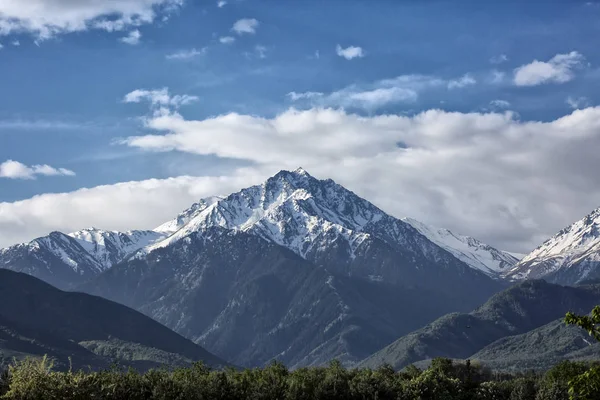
{"x": 591, "y": 323}
{"x": 584, "y": 385}
{"x": 443, "y": 380}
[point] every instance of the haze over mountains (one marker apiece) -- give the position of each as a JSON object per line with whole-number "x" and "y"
{"x": 304, "y": 271}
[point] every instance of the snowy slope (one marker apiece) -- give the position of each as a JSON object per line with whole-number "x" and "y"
{"x": 314, "y": 218}
{"x": 569, "y": 257}
{"x": 294, "y": 210}
{"x": 184, "y": 217}
{"x": 467, "y": 249}
{"x": 64, "y": 260}
{"x": 110, "y": 247}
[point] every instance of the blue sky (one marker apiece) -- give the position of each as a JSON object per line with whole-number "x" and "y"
{"x": 63, "y": 105}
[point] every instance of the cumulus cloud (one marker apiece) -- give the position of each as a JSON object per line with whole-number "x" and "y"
{"x": 245, "y": 26}
{"x": 15, "y": 170}
{"x": 227, "y": 39}
{"x": 159, "y": 98}
{"x": 132, "y": 38}
{"x": 47, "y": 18}
{"x": 186, "y": 54}
{"x": 463, "y": 81}
{"x": 349, "y": 52}
{"x": 577, "y": 102}
{"x": 560, "y": 69}
{"x": 509, "y": 182}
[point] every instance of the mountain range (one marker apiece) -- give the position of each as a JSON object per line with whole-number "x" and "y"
{"x": 303, "y": 270}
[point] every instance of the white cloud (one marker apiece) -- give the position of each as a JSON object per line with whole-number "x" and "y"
{"x": 349, "y": 52}
{"x": 488, "y": 175}
{"x": 143, "y": 204}
{"x": 500, "y": 104}
{"x": 499, "y": 59}
{"x": 402, "y": 89}
{"x": 560, "y": 69}
{"x": 16, "y": 43}
{"x": 159, "y": 98}
{"x": 132, "y": 38}
{"x": 16, "y": 170}
{"x": 47, "y": 18}
{"x": 221, "y": 3}
{"x": 186, "y": 54}
{"x": 506, "y": 181}
{"x": 246, "y": 25}
{"x": 577, "y": 102}
{"x": 463, "y": 81}
{"x": 227, "y": 39}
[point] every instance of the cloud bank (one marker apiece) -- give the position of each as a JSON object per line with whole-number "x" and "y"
{"x": 509, "y": 182}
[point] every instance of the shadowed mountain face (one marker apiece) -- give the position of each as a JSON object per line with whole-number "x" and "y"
{"x": 517, "y": 310}
{"x": 38, "y": 319}
{"x": 250, "y": 301}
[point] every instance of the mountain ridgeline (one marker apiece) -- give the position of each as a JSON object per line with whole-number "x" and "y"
{"x": 304, "y": 271}
{"x": 297, "y": 269}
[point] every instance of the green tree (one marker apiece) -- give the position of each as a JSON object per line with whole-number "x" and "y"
{"x": 587, "y": 384}
{"x": 591, "y": 323}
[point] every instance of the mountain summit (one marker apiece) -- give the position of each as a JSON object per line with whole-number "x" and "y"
{"x": 570, "y": 257}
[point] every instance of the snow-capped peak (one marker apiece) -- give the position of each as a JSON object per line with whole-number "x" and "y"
{"x": 184, "y": 217}
{"x": 574, "y": 251}
{"x": 291, "y": 208}
{"x": 467, "y": 249}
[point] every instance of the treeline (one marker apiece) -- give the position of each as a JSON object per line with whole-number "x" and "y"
{"x": 35, "y": 379}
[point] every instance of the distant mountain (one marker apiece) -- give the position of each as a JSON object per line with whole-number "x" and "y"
{"x": 540, "y": 348}
{"x": 37, "y": 319}
{"x": 517, "y": 310}
{"x": 467, "y": 249}
{"x": 570, "y": 257}
{"x": 298, "y": 269}
{"x": 64, "y": 260}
